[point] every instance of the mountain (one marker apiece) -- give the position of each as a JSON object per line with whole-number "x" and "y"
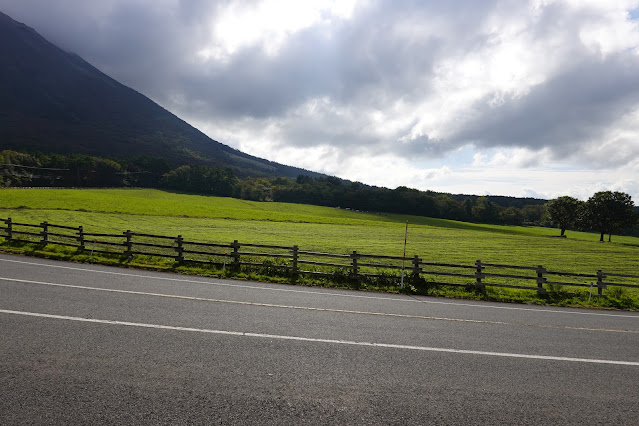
{"x": 53, "y": 101}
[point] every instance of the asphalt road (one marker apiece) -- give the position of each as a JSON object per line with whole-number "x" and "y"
{"x": 85, "y": 344}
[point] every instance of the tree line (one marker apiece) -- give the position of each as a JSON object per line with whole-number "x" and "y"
{"x": 19, "y": 169}
{"x": 75, "y": 170}
{"x": 334, "y": 192}
{"x": 606, "y": 212}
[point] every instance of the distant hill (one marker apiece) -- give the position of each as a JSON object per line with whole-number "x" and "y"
{"x": 53, "y": 101}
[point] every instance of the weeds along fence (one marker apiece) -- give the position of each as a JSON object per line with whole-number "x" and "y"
{"x": 292, "y": 261}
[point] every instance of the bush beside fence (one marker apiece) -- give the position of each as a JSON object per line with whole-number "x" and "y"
{"x": 295, "y": 262}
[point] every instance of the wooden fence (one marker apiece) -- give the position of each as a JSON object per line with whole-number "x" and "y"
{"x": 293, "y": 261}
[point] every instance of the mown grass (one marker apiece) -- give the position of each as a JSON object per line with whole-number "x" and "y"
{"x": 322, "y": 229}
{"x": 161, "y": 203}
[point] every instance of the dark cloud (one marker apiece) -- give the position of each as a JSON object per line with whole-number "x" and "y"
{"x": 575, "y": 107}
{"x": 258, "y": 85}
{"x": 353, "y": 65}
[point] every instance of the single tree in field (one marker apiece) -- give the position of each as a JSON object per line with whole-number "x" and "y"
{"x": 563, "y": 212}
{"x": 607, "y": 212}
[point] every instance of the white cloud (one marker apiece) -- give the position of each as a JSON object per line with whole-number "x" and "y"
{"x": 511, "y": 157}
{"x": 267, "y": 24}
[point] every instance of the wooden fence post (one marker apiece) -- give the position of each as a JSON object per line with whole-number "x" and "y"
{"x": 355, "y": 268}
{"x": 479, "y": 275}
{"x": 236, "y": 254}
{"x": 295, "y": 254}
{"x": 416, "y": 269}
{"x": 45, "y": 232}
{"x": 600, "y": 283}
{"x": 541, "y": 280}
{"x": 180, "y": 249}
{"x": 9, "y": 234}
{"x": 129, "y": 245}
{"x": 81, "y": 237}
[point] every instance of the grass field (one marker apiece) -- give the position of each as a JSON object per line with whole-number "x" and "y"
{"x": 317, "y": 228}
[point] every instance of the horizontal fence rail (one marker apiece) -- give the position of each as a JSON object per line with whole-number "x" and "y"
{"x": 293, "y": 261}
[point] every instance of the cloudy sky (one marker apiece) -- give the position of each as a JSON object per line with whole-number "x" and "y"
{"x": 523, "y": 98}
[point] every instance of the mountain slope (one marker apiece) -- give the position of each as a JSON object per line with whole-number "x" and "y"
{"x": 54, "y": 101}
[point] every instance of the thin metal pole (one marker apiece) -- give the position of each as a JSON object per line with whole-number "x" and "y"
{"x": 93, "y": 248}
{"x": 404, "y": 260}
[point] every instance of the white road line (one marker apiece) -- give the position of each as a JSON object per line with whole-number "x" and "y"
{"x": 309, "y": 308}
{"x": 321, "y": 293}
{"x": 315, "y": 340}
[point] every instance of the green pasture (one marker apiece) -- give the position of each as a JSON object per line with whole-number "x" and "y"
{"x": 330, "y": 230}
{"x": 316, "y": 228}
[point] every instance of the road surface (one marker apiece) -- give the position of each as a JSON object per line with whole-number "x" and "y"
{"x": 89, "y": 344}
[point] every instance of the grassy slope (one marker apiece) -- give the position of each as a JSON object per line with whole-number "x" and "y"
{"x": 317, "y": 228}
